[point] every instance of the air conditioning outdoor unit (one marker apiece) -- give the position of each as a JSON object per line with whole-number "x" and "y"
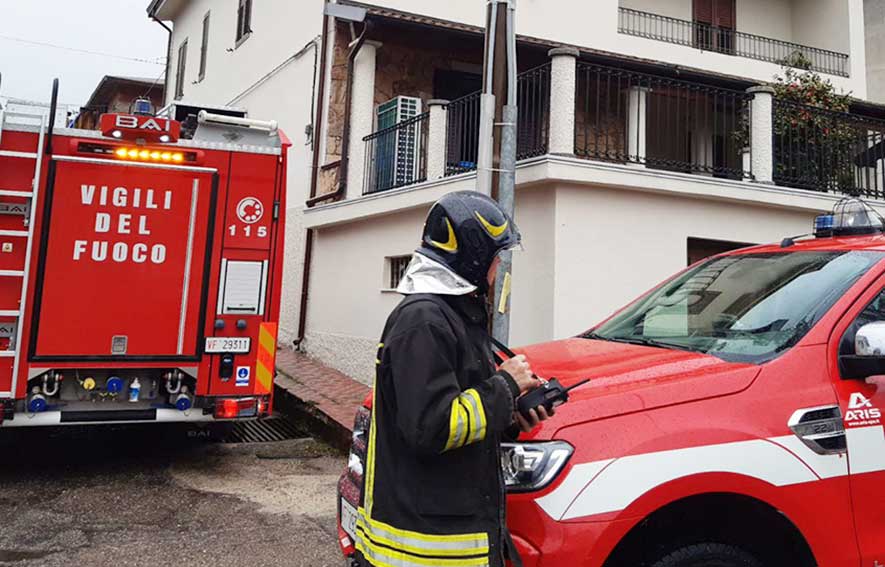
{"x": 396, "y": 153}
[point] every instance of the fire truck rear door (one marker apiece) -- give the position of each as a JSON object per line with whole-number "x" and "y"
{"x": 123, "y": 261}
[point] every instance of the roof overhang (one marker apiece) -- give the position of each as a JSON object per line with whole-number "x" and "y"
{"x": 109, "y": 84}
{"x": 165, "y": 9}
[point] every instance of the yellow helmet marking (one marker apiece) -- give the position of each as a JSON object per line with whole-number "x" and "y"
{"x": 452, "y": 244}
{"x": 495, "y": 231}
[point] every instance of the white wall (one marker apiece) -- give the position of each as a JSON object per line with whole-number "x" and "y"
{"x": 348, "y": 302}
{"x": 768, "y": 18}
{"x": 613, "y": 245}
{"x": 681, "y": 9}
{"x": 589, "y": 250}
{"x": 874, "y": 17}
{"x": 348, "y": 306}
{"x": 828, "y": 23}
{"x": 858, "y": 46}
{"x": 822, "y": 23}
{"x": 271, "y": 75}
{"x": 534, "y": 267}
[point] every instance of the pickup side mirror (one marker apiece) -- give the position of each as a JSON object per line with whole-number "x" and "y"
{"x": 869, "y": 353}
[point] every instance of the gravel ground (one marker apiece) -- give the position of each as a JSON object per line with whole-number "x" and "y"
{"x": 155, "y": 496}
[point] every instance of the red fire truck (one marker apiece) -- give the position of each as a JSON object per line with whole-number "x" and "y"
{"x": 733, "y": 418}
{"x": 140, "y": 268}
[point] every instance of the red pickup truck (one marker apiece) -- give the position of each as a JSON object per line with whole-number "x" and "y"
{"x": 733, "y": 418}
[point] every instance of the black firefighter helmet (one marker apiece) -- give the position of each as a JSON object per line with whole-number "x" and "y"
{"x": 465, "y": 231}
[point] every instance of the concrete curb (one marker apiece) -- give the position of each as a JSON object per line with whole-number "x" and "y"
{"x": 308, "y": 415}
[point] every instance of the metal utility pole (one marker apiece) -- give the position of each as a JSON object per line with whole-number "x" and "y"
{"x": 496, "y": 167}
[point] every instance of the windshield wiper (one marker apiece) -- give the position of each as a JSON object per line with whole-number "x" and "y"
{"x": 594, "y": 336}
{"x": 654, "y": 343}
{"x": 643, "y": 341}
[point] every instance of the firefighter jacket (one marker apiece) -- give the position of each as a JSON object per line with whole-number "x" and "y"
{"x": 434, "y": 491}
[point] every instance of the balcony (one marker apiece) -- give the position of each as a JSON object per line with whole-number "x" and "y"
{"x": 628, "y": 117}
{"x": 399, "y": 156}
{"x": 462, "y": 133}
{"x": 833, "y": 152}
{"x": 646, "y": 122}
{"x": 728, "y": 41}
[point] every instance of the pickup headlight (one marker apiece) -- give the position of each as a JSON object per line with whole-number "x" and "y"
{"x": 532, "y": 466}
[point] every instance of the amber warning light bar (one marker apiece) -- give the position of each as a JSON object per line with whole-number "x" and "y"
{"x": 139, "y": 153}
{"x": 134, "y": 127}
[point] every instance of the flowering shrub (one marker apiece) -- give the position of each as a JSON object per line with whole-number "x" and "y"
{"x": 815, "y": 140}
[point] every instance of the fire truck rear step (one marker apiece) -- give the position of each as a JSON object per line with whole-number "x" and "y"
{"x": 108, "y": 415}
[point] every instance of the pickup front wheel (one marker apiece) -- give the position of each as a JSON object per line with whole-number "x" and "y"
{"x": 708, "y": 555}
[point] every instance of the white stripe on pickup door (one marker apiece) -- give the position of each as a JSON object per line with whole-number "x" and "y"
{"x": 612, "y": 485}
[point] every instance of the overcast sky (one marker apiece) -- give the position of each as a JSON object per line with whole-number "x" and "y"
{"x": 117, "y": 27}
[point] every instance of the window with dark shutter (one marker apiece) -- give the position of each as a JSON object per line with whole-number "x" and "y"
{"x": 715, "y": 23}
{"x": 180, "y": 70}
{"x": 703, "y": 11}
{"x": 244, "y": 20}
{"x": 724, "y": 13}
{"x": 204, "y": 47}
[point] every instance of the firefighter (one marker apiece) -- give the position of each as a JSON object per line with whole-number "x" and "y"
{"x": 434, "y": 493}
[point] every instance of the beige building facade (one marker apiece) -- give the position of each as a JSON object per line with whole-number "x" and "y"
{"x": 644, "y": 142}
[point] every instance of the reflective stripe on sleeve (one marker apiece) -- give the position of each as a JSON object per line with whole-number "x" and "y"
{"x": 477, "y": 416}
{"x": 457, "y": 426}
{"x": 467, "y": 420}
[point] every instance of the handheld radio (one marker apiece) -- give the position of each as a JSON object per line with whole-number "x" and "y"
{"x": 549, "y": 394}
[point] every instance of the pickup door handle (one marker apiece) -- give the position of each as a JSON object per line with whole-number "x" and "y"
{"x": 820, "y": 428}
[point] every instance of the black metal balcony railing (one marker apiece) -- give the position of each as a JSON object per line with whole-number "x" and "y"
{"x": 661, "y": 123}
{"x": 533, "y": 123}
{"x": 821, "y": 150}
{"x": 397, "y": 156}
{"x": 462, "y": 134}
{"x": 729, "y": 41}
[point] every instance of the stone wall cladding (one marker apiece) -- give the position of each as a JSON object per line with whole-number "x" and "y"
{"x": 354, "y": 356}
{"x": 335, "y": 117}
{"x": 406, "y": 64}
{"x": 601, "y": 131}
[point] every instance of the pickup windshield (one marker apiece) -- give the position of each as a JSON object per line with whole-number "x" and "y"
{"x": 745, "y": 308}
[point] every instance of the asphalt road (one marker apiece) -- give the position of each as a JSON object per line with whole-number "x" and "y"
{"x": 154, "y": 497}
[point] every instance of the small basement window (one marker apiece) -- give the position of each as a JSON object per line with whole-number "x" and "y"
{"x": 395, "y": 270}
{"x": 701, "y": 248}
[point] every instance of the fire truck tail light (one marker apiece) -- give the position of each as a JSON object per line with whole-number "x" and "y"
{"x": 231, "y": 408}
{"x": 532, "y": 466}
